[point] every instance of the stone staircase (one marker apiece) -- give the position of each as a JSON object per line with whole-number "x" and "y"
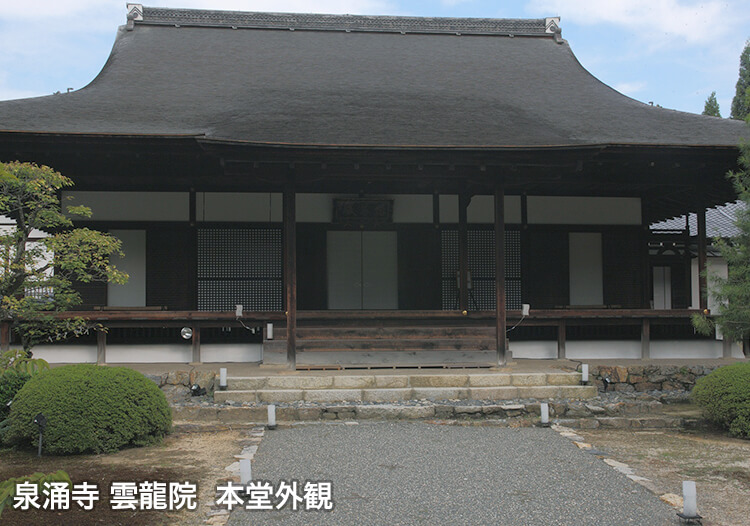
{"x": 330, "y": 388}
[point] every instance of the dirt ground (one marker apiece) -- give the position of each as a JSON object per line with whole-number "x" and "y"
{"x": 719, "y": 465}
{"x": 197, "y": 455}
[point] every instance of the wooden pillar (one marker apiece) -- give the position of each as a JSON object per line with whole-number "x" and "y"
{"x": 645, "y": 339}
{"x": 561, "y": 340}
{"x": 500, "y": 273}
{"x": 463, "y": 251}
{"x": 525, "y": 260}
{"x": 646, "y": 273}
{"x": 702, "y": 282}
{"x": 4, "y": 336}
{"x": 436, "y": 209}
{"x": 196, "y": 344}
{"x": 290, "y": 273}
{"x": 192, "y": 262}
{"x": 101, "y": 347}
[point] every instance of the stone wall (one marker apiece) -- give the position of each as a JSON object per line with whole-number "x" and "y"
{"x": 641, "y": 378}
{"x": 176, "y": 383}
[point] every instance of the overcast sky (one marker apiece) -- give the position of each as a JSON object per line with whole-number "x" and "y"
{"x": 670, "y": 52}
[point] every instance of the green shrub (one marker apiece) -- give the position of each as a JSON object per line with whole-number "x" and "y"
{"x": 90, "y": 409}
{"x": 725, "y": 397}
{"x": 11, "y": 382}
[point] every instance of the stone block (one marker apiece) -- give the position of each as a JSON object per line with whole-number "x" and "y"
{"x": 353, "y": 382}
{"x": 441, "y": 393}
{"x": 195, "y": 414}
{"x": 624, "y": 388}
{"x": 468, "y": 409}
{"x": 391, "y": 381}
{"x": 278, "y": 395}
{"x": 176, "y": 393}
{"x": 299, "y": 382}
{"x": 528, "y": 379}
{"x": 415, "y": 412}
{"x": 495, "y": 410}
{"x": 309, "y": 413}
{"x": 646, "y": 386}
{"x": 493, "y": 393}
{"x": 444, "y": 411}
{"x": 205, "y": 379}
{"x": 221, "y": 397}
{"x": 244, "y": 383}
{"x": 386, "y": 395}
{"x": 579, "y": 392}
{"x": 563, "y": 378}
{"x": 284, "y": 414}
{"x": 377, "y": 412}
{"x": 242, "y": 415}
{"x": 176, "y": 377}
{"x": 489, "y": 380}
{"x": 615, "y": 422}
{"x": 438, "y": 380}
{"x": 333, "y": 395}
{"x": 539, "y": 392}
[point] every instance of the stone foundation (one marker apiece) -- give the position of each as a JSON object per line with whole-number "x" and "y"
{"x": 642, "y": 378}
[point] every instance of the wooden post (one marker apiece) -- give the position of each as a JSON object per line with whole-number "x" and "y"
{"x": 196, "y": 344}
{"x": 463, "y": 251}
{"x": 645, "y": 339}
{"x": 561, "y": 340}
{"x": 646, "y": 273}
{"x": 5, "y": 336}
{"x": 525, "y": 260}
{"x": 290, "y": 273}
{"x": 500, "y": 321}
{"x": 702, "y": 282}
{"x": 436, "y": 209}
{"x": 101, "y": 347}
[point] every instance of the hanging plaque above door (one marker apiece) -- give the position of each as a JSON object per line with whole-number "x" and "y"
{"x": 362, "y": 211}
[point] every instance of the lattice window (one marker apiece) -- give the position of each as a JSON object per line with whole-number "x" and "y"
{"x": 481, "y": 244}
{"x": 240, "y": 266}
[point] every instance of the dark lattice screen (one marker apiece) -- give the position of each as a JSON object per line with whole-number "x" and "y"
{"x": 482, "y": 268}
{"x": 240, "y": 266}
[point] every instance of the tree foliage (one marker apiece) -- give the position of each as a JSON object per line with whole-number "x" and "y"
{"x": 712, "y": 106}
{"x": 740, "y": 102}
{"x": 733, "y": 292}
{"x": 43, "y": 254}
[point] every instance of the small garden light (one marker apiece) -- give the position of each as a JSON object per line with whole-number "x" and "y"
{"x": 271, "y": 416}
{"x": 186, "y": 333}
{"x": 584, "y": 373}
{"x": 689, "y": 503}
{"x": 223, "y": 379}
{"x": 544, "y": 408}
{"x": 246, "y": 472}
{"x": 41, "y": 421}
{"x": 197, "y": 390}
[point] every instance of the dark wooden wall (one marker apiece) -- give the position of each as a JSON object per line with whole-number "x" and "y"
{"x": 548, "y": 281}
{"x": 170, "y": 267}
{"x": 419, "y": 280}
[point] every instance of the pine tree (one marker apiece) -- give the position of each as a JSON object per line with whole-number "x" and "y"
{"x": 733, "y": 293}
{"x": 740, "y": 103}
{"x": 712, "y": 106}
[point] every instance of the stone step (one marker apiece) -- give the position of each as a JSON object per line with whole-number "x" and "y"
{"x": 369, "y": 381}
{"x": 393, "y": 394}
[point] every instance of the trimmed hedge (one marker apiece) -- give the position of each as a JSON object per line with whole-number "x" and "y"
{"x": 725, "y": 397}
{"x": 90, "y": 409}
{"x": 11, "y": 382}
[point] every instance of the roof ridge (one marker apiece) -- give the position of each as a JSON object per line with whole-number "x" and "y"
{"x": 332, "y": 22}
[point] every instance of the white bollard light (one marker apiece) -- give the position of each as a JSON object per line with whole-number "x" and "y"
{"x": 584, "y": 373}
{"x": 269, "y": 331}
{"x": 689, "y": 499}
{"x": 246, "y": 472}
{"x": 545, "y": 413}
{"x": 271, "y": 416}
{"x": 222, "y": 379}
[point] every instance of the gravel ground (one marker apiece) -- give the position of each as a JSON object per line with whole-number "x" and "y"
{"x": 405, "y": 473}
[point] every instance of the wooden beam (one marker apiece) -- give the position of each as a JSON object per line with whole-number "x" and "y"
{"x": 5, "y": 336}
{"x": 290, "y": 272}
{"x": 101, "y": 347}
{"x": 561, "y": 340}
{"x": 702, "y": 283}
{"x": 645, "y": 339}
{"x": 196, "y": 344}
{"x": 463, "y": 251}
{"x": 500, "y": 321}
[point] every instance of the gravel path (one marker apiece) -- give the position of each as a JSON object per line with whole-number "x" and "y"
{"x": 408, "y": 473}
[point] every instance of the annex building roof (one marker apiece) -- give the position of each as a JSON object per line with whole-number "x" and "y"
{"x": 341, "y": 80}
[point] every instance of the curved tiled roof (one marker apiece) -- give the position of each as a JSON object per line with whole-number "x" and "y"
{"x": 355, "y": 80}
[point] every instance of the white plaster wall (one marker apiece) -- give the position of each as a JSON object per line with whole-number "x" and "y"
{"x": 225, "y": 352}
{"x": 314, "y": 208}
{"x": 481, "y": 209}
{"x": 238, "y": 206}
{"x": 541, "y": 350}
{"x": 586, "y": 278}
{"x": 66, "y": 353}
{"x": 132, "y": 293}
{"x": 584, "y": 210}
{"x": 604, "y": 349}
{"x": 412, "y": 208}
{"x": 663, "y": 349}
{"x": 133, "y": 206}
